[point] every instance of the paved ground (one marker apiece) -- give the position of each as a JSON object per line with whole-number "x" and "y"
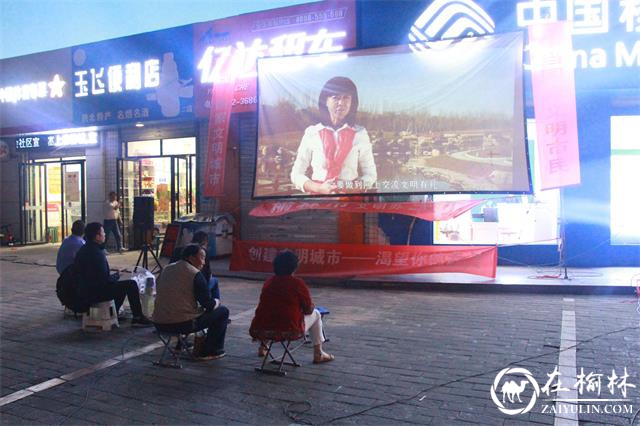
{"x": 402, "y": 357}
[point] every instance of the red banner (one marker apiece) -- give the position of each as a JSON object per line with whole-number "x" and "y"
{"x": 218, "y": 135}
{"x": 440, "y": 210}
{"x": 340, "y": 260}
{"x": 554, "y": 100}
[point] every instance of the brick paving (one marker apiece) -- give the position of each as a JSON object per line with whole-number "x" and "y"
{"x": 402, "y": 357}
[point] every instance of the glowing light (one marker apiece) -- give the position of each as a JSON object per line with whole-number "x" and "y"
{"x": 33, "y": 91}
{"x": 117, "y": 78}
{"x": 222, "y": 63}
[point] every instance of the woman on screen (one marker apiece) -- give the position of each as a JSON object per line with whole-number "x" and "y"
{"x": 338, "y": 151}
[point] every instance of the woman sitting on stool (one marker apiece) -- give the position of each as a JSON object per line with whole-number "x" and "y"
{"x": 286, "y": 306}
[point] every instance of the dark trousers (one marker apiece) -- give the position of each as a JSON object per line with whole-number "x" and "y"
{"x": 117, "y": 291}
{"x": 111, "y": 226}
{"x": 216, "y": 323}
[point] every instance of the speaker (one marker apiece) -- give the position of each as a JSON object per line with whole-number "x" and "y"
{"x": 143, "y": 213}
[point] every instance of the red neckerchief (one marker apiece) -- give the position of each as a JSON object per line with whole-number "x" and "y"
{"x": 336, "y": 153}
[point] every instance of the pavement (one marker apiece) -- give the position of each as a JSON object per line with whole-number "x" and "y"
{"x": 402, "y": 357}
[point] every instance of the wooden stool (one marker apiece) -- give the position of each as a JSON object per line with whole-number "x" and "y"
{"x": 101, "y": 315}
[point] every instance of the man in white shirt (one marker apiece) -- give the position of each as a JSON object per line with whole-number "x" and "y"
{"x": 111, "y": 218}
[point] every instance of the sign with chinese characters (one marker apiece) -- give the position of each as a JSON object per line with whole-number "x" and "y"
{"x": 138, "y": 78}
{"x": 340, "y": 260}
{"x": 35, "y": 91}
{"x": 226, "y": 50}
{"x": 606, "y": 33}
{"x": 57, "y": 141}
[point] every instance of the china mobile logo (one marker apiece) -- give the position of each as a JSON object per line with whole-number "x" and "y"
{"x": 449, "y": 19}
{"x": 585, "y": 384}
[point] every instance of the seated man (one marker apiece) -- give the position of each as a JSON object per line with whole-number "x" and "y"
{"x": 181, "y": 287}
{"x": 70, "y": 246}
{"x": 285, "y": 306}
{"x": 201, "y": 238}
{"x": 95, "y": 284}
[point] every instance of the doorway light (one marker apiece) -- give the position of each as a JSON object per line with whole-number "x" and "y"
{"x": 138, "y": 124}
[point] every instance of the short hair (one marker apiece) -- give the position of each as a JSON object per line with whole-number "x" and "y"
{"x": 285, "y": 263}
{"x": 77, "y": 228}
{"x": 199, "y": 237}
{"x": 92, "y": 230}
{"x": 338, "y": 86}
{"x": 190, "y": 250}
{"x": 113, "y": 193}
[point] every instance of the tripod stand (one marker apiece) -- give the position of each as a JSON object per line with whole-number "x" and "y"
{"x": 143, "y": 257}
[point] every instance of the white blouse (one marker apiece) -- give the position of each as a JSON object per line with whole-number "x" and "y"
{"x": 311, "y": 152}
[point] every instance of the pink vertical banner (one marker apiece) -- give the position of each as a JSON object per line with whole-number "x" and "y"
{"x": 219, "y": 116}
{"x": 554, "y": 100}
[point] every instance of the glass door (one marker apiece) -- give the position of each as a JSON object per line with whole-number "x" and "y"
{"x": 128, "y": 188}
{"x": 72, "y": 194}
{"x": 181, "y": 197}
{"x": 33, "y": 201}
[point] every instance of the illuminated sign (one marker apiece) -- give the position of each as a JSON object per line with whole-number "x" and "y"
{"x": 219, "y": 64}
{"x": 33, "y": 91}
{"x": 117, "y": 78}
{"x": 63, "y": 140}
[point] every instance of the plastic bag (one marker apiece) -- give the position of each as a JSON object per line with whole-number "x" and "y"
{"x": 146, "y": 280}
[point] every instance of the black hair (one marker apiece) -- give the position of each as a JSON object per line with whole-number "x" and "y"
{"x": 285, "y": 263}
{"x": 77, "y": 228}
{"x": 92, "y": 230}
{"x": 338, "y": 86}
{"x": 190, "y": 250}
{"x": 199, "y": 237}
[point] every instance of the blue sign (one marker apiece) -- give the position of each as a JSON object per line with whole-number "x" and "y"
{"x": 137, "y": 78}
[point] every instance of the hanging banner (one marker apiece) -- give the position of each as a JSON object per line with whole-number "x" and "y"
{"x": 554, "y": 100}
{"x": 218, "y": 135}
{"x": 432, "y": 211}
{"x": 340, "y": 260}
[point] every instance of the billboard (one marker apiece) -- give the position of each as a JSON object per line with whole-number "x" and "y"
{"x": 400, "y": 119}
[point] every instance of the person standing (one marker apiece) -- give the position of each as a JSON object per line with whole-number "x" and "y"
{"x": 70, "y": 246}
{"x": 111, "y": 219}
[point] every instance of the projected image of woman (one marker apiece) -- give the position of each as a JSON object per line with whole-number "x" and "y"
{"x": 338, "y": 151}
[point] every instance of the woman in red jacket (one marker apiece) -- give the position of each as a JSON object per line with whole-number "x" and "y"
{"x": 285, "y": 306}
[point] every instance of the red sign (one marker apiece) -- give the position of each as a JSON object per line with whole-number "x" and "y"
{"x": 339, "y": 260}
{"x": 227, "y": 49}
{"x": 554, "y": 100}
{"x": 440, "y": 210}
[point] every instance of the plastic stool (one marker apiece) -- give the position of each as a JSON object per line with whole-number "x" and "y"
{"x": 101, "y": 315}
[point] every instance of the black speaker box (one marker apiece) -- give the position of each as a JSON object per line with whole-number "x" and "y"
{"x": 143, "y": 213}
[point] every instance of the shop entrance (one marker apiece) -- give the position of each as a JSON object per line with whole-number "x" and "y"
{"x": 169, "y": 179}
{"x": 52, "y": 197}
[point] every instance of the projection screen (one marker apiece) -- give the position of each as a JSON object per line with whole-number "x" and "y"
{"x": 394, "y": 120}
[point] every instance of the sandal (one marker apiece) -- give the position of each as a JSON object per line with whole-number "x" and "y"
{"x": 324, "y": 358}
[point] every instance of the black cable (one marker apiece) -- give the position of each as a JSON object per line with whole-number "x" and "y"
{"x": 400, "y": 400}
{"x": 295, "y": 414}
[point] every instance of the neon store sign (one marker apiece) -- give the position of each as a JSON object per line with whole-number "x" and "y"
{"x": 63, "y": 140}
{"x": 33, "y": 91}
{"x": 117, "y": 78}
{"x": 221, "y": 63}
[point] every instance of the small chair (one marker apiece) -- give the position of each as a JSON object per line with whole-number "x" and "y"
{"x": 267, "y": 339}
{"x": 181, "y": 348}
{"x": 101, "y": 315}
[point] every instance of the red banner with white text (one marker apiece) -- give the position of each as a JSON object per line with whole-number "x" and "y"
{"x": 554, "y": 100}
{"x": 440, "y": 210}
{"x": 340, "y": 260}
{"x": 218, "y": 135}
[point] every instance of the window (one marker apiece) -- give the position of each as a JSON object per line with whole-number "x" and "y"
{"x": 143, "y": 148}
{"x": 625, "y": 175}
{"x": 179, "y": 146}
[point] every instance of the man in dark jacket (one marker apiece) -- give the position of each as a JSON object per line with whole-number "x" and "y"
{"x": 96, "y": 284}
{"x": 184, "y": 303}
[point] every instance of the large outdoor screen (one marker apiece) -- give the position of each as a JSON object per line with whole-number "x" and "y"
{"x": 408, "y": 119}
